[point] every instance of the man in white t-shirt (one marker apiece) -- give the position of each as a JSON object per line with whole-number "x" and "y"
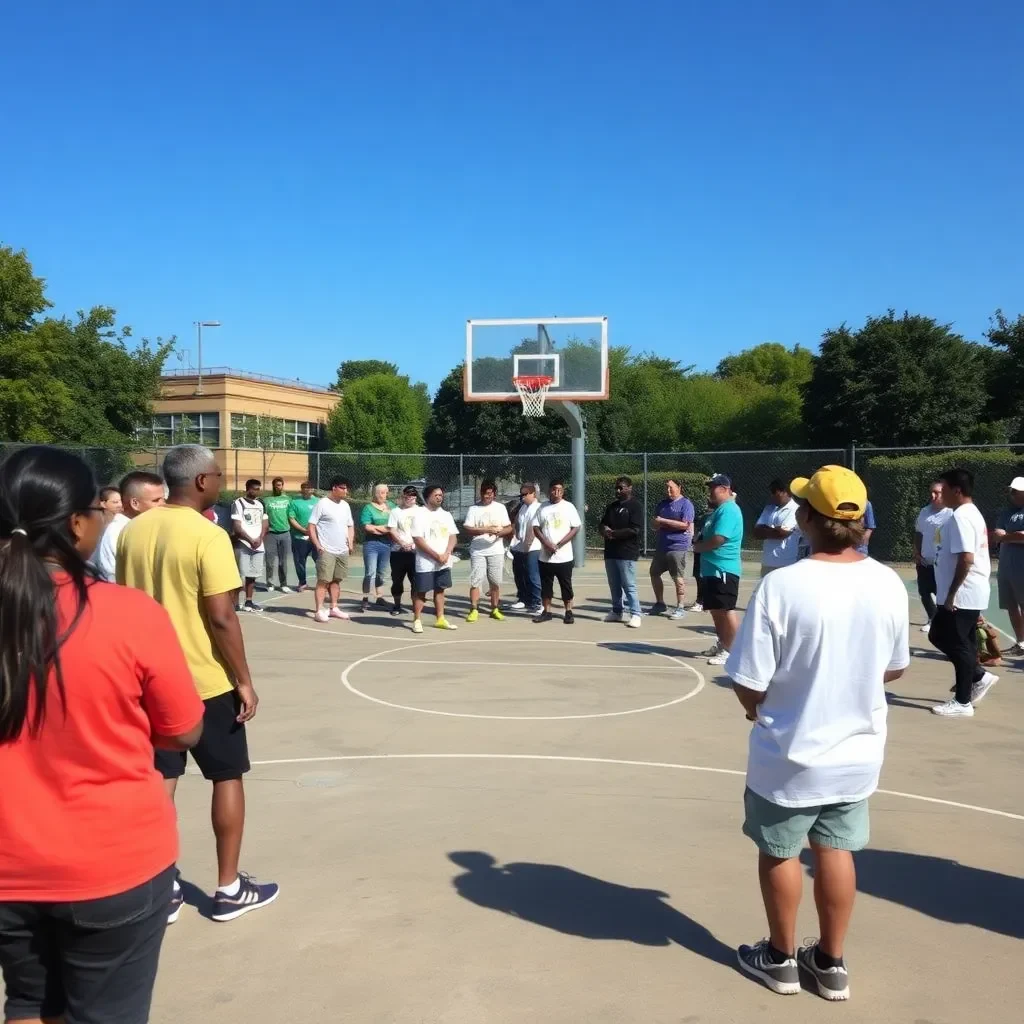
{"x": 777, "y": 527}
{"x": 332, "y": 533}
{"x": 486, "y": 523}
{"x": 926, "y": 541}
{"x": 962, "y": 571}
{"x": 556, "y": 524}
{"x": 435, "y": 535}
{"x": 140, "y": 491}
{"x": 249, "y": 524}
{"x": 525, "y": 549}
{"x": 403, "y": 548}
{"x": 818, "y": 643}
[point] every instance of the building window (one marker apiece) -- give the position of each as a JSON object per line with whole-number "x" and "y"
{"x": 167, "y": 429}
{"x": 248, "y": 431}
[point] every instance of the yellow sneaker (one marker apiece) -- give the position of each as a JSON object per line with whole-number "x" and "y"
{"x": 444, "y": 624}
{"x": 496, "y": 615}
{"x": 472, "y": 616}
{"x": 417, "y": 626}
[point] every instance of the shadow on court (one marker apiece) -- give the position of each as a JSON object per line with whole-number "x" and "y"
{"x": 625, "y": 647}
{"x": 944, "y": 889}
{"x": 894, "y": 700}
{"x": 195, "y": 897}
{"x": 576, "y": 904}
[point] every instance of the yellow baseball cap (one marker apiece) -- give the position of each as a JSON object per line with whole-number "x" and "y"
{"x": 834, "y": 491}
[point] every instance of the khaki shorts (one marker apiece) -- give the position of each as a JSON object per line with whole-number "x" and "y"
{"x": 671, "y": 562}
{"x": 486, "y": 567}
{"x": 331, "y": 568}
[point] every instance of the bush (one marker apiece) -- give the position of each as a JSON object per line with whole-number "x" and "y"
{"x": 898, "y": 488}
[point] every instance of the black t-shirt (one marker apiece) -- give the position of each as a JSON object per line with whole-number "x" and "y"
{"x": 625, "y": 515}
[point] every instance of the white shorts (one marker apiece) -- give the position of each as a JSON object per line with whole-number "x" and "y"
{"x": 486, "y": 567}
{"x": 250, "y": 563}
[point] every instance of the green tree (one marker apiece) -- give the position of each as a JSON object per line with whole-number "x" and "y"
{"x": 354, "y": 369}
{"x": 897, "y": 381}
{"x": 69, "y": 380}
{"x": 1006, "y": 374}
{"x": 770, "y": 364}
{"x": 380, "y": 413}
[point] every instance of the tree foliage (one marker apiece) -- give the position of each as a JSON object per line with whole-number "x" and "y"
{"x": 897, "y": 381}
{"x": 380, "y": 413}
{"x": 354, "y": 369}
{"x": 71, "y": 380}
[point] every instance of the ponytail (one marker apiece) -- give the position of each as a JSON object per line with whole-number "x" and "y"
{"x": 40, "y": 489}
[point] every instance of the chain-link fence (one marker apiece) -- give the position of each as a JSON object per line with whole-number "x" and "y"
{"x": 897, "y": 478}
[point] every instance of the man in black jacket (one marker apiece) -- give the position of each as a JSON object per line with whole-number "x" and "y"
{"x": 621, "y": 527}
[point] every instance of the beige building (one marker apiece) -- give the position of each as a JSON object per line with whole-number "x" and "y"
{"x": 259, "y": 426}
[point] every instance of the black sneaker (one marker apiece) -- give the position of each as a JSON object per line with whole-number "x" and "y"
{"x": 783, "y": 979}
{"x": 177, "y": 901}
{"x": 658, "y": 608}
{"x": 832, "y": 983}
{"x": 543, "y": 617}
{"x": 250, "y": 896}
{"x": 365, "y": 605}
{"x": 382, "y": 602}
{"x": 251, "y": 606}
{"x": 397, "y": 610}
{"x": 568, "y": 618}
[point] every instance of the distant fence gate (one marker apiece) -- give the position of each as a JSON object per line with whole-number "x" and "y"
{"x": 897, "y": 478}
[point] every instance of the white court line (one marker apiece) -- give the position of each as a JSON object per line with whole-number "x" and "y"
{"x": 612, "y": 760}
{"x": 516, "y": 718}
{"x": 629, "y": 669}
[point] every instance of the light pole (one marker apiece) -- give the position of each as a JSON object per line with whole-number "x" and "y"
{"x": 200, "y": 324}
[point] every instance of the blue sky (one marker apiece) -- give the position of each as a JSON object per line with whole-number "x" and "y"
{"x": 340, "y": 180}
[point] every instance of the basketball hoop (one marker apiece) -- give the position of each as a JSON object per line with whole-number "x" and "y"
{"x": 533, "y": 390}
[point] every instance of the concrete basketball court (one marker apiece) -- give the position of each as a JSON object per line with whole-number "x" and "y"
{"x": 534, "y": 823}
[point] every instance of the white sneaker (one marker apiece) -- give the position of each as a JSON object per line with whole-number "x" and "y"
{"x": 287, "y": 590}
{"x": 712, "y": 652}
{"x": 951, "y": 709}
{"x": 417, "y": 626}
{"x": 613, "y": 617}
{"x": 322, "y": 616}
{"x": 695, "y": 607}
{"x": 634, "y": 622}
{"x": 720, "y": 658}
{"x": 518, "y": 606}
{"x": 926, "y": 627}
{"x": 982, "y": 686}
{"x": 337, "y": 613}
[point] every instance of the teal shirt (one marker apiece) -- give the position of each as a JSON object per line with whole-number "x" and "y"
{"x": 276, "y": 507}
{"x": 726, "y": 521}
{"x": 300, "y": 509}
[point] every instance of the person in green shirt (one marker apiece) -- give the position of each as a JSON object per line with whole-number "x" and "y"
{"x": 376, "y": 544}
{"x": 298, "y": 512}
{"x": 277, "y": 543}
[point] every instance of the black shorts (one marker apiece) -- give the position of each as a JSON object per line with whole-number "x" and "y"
{"x": 551, "y": 571}
{"x": 433, "y": 581}
{"x": 719, "y": 593}
{"x": 87, "y": 960}
{"x": 222, "y": 752}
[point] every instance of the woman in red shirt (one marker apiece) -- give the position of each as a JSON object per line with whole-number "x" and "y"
{"x": 91, "y": 677}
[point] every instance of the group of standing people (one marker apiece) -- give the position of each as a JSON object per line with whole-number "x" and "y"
{"x": 103, "y": 689}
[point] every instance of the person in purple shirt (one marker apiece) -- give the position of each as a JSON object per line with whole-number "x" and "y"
{"x": 673, "y": 526}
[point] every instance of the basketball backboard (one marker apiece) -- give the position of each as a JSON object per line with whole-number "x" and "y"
{"x": 572, "y": 351}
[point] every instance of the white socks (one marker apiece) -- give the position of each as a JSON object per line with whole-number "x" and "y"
{"x": 232, "y": 888}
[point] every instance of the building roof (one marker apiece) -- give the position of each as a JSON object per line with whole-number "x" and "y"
{"x": 228, "y": 371}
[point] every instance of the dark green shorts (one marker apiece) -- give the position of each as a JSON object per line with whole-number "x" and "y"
{"x": 781, "y": 831}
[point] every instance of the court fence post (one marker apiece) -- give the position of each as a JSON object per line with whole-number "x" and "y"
{"x": 645, "y": 503}
{"x": 318, "y": 470}
{"x": 462, "y": 477}
{"x": 853, "y": 457}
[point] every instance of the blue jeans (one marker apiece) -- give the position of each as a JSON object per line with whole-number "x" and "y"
{"x": 622, "y": 583}
{"x": 526, "y": 571}
{"x": 376, "y": 555}
{"x": 302, "y": 550}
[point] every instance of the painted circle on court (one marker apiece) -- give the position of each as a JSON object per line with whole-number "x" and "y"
{"x": 370, "y": 658}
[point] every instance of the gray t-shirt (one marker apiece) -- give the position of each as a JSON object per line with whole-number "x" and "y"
{"x": 1011, "y": 556}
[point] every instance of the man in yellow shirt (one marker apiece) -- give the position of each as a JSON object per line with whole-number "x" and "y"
{"x": 186, "y": 563}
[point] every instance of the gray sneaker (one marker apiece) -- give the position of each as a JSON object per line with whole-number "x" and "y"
{"x": 783, "y": 979}
{"x": 832, "y": 983}
{"x": 679, "y": 612}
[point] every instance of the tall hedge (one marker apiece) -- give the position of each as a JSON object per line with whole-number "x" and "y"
{"x": 898, "y": 489}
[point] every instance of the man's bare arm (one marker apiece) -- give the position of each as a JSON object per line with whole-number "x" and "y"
{"x": 226, "y": 634}
{"x": 750, "y": 699}
{"x": 709, "y": 543}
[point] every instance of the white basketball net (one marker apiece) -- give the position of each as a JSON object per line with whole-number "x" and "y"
{"x": 533, "y": 391}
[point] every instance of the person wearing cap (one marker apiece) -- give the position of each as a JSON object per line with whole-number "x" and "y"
{"x": 720, "y": 566}
{"x": 809, "y": 666}
{"x": 962, "y": 571}
{"x": 1009, "y": 535}
{"x": 926, "y": 537}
